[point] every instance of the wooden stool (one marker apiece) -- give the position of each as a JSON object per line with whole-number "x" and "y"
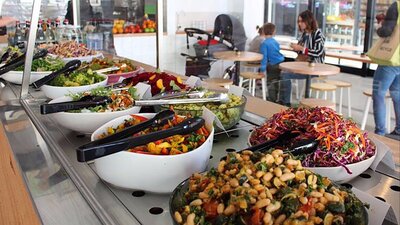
{"x": 325, "y": 88}
{"x": 341, "y": 85}
{"x": 219, "y": 81}
{"x": 252, "y": 77}
{"x": 368, "y": 93}
{"x": 314, "y": 102}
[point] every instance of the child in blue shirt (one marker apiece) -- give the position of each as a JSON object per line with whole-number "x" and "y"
{"x": 270, "y": 62}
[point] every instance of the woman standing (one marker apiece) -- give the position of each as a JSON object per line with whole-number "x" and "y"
{"x": 387, "y": 78}
{"x": 309, "y": 47}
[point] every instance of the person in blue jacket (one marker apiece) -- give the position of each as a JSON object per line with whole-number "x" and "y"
{"x": 271, "y": 59}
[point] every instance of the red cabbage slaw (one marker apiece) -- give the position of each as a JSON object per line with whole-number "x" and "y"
{"x": 341, "y": 142}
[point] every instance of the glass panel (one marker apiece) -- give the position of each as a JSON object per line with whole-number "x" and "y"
{"x": 284, "y": 15}
{"x": 343, "y": 23}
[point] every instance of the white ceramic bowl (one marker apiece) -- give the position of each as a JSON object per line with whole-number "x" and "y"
{"x": 88, "y": 58}
{"x": 56, "y": 92}
{"x": 87, "y": 122}
{"x": 339, "y": 174}
{"x": 16, "y": 76}
{"x": 152, "y": 173}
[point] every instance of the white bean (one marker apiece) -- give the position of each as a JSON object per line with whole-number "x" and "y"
{"x": 273, "y": 207}
{"x": 287, "y": 176}
{"x": 178, "y": 217}
{"x": 267, "y": 218}
{"x": 196, "y": 202}
{"x": 190, "y": 219}
{"x": 262, "y": 203}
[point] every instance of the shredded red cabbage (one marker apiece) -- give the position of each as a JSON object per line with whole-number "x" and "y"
{"x": 341, "y": 142}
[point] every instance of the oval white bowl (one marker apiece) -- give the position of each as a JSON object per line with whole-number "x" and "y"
{"x": 339, "y": 174}
{"x": 56, "y": 92}
{"x": 87, "y": 122}
{"x": 152, "y": 173}
{"x": 88, "y": 58}
{"x": 16, "y": 76}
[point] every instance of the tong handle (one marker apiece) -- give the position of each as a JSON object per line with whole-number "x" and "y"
{"x": 65, "y": 106}
{"x": 94, "y": 152}
{"x": 158, "y": 119}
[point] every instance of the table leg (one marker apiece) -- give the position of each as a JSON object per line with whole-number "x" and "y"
{"x": 235, "y": 78}
{"x": 308, "y": 84}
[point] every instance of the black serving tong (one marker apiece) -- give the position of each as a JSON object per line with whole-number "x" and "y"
{"x": 305, "y": 146}
{"x": 84, "y": 102}
{"x": 158, "y": 120}
{"x": 94, "y": 152}
{"x": 68, "y": 68}
{"x": 20, "y": 60}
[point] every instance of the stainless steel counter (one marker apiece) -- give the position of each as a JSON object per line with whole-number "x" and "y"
{"x": 68, "y": 192}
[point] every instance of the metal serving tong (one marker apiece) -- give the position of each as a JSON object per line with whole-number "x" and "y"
{"x": 159, "y": 119}
{"x": 20, "y": 60}
{"x": 73, "y": 105}
{"x": 305, "y": 146}
{"x": 68, "y": 68}
{"x": 176, "y": 94}
{"x": 94, "y": 152}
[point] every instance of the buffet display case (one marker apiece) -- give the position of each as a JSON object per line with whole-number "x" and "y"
{"x": 66, "y": 191}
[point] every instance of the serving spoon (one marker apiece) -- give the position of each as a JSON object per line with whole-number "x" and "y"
{"x": 85, "y": 154}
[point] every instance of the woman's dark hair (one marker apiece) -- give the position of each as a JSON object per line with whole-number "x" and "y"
{"x": 259, "y": 30}
{"x": 309, "y": 19}
{"x": 269, "y": 29}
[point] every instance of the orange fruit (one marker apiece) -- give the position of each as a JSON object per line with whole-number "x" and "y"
{"x": 115, "y": 30}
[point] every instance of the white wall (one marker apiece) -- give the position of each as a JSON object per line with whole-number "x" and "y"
{"x": 253, "y": 15}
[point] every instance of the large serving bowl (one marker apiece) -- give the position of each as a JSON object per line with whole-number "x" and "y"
{"x": 87, "y": 122}
{"x": 339, "y": 174}
{"x": 88, "y": 58}
{"x": 115, "y": 77}
{"x": 228, "y": 116}
{"x": 56, "y": 91}
{"x": 152, "y": 173}
{"x": 16, "y": 76}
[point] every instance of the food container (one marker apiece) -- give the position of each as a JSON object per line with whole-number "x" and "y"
{"x": 88, "y": 58}
{"x": 292, "y": 188}
{"x": 56, "y": 92}
{"x": 339, "y": 174}
{"x": 115, "y": 77}
{"x": 228, "y": 116}
{"x": 152, "y": 173}
{"x": 16, "y": 76}
{"x": 88, "y": 122}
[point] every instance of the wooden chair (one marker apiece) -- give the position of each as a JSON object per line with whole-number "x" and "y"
{"x": 253, "y": 77}
{"x": 341, "y": 85}
{"x": 323, "y": 87}
{"x": 315, "y": 102}
{"x": 219, "y": 81}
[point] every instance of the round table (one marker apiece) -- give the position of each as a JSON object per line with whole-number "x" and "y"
{"x": 237, "y": 57}
{"x": 303, "y": 68}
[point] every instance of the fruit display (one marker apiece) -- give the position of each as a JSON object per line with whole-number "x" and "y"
{"x": 120, "y": 27}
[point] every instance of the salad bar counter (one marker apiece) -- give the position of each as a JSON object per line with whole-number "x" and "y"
{"x": 80, "y": 195}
